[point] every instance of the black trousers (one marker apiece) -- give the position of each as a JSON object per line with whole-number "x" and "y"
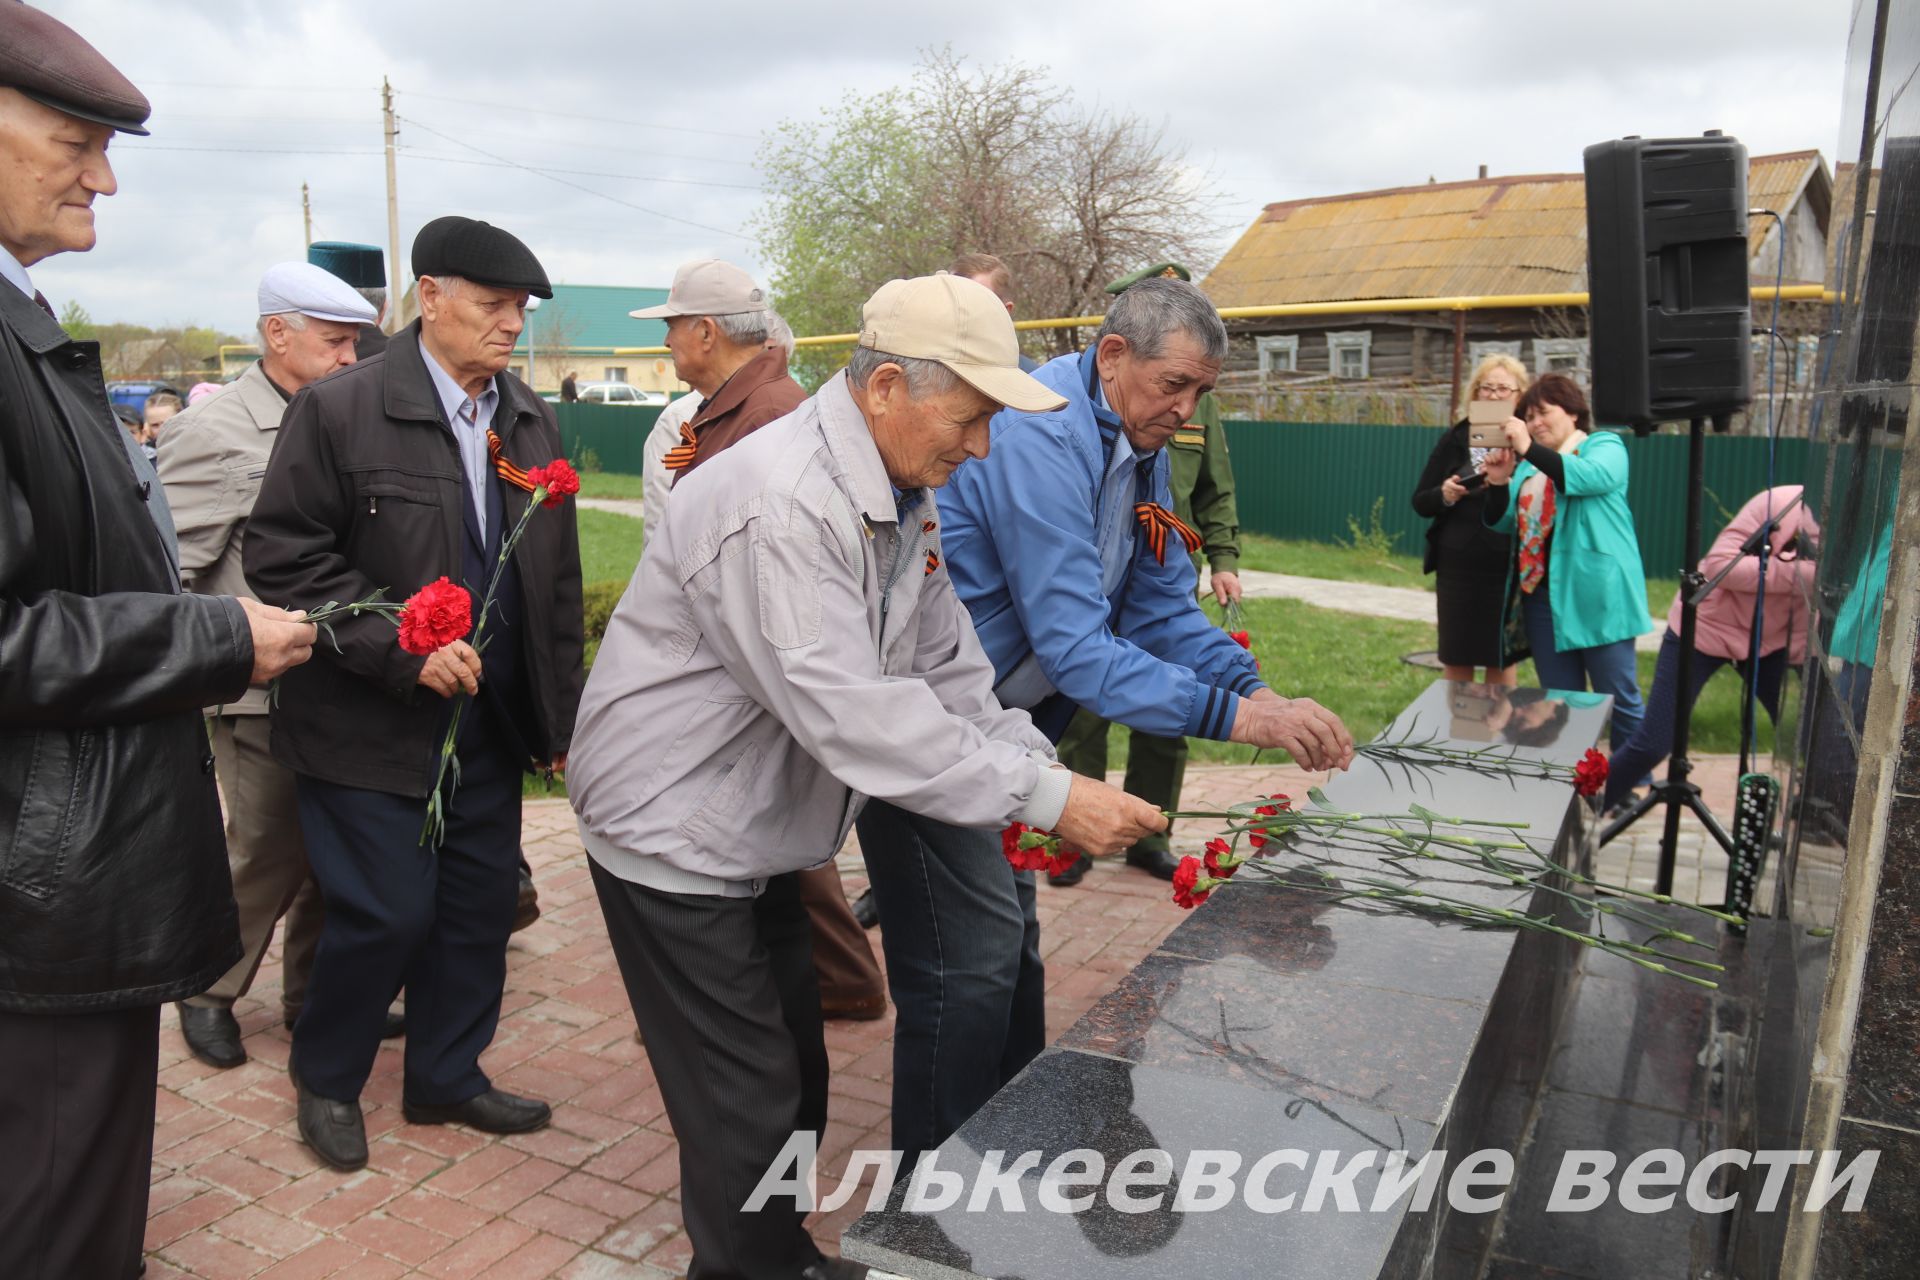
{"x": 76, "y": 1127}
{"x": 399, "y": 912}
{"x": 724, "y": 991}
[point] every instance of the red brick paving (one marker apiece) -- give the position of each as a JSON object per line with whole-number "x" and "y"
{"x": 236, "y": 1195}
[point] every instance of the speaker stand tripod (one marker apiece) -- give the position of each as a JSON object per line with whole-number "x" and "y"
{"x": 1676, "y": 792}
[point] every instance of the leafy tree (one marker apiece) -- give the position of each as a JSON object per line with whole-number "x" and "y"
{"x": 994, "y": 159}
{"x": 75, "y": 320}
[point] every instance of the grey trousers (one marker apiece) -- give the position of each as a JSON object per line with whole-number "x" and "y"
{"x": 268, "y": 860}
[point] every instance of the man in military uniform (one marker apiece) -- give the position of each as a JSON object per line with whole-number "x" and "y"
{"x": 1202, "y": 479}
{"x": 365, "y": 268}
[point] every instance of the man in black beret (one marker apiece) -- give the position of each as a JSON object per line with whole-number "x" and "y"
{"x": 114, "y": 896}
{"x": 397, "y": 471}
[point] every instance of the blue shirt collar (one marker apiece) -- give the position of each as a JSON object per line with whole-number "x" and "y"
{"x": 453, "y": 395}
{"x": 16, "y": 275}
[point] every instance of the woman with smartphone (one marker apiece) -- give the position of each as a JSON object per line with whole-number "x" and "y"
{"x": 1469, "y": 561}
{"x": 1582, "y": 591}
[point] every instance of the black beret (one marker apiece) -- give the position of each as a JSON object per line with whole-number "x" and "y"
{"x": 361, "y": 265}
{"x": 456, "y": 246}
{"x": 47, "y": 60}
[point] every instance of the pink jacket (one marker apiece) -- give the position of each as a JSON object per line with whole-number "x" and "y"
{"x": 1725, "y": 621}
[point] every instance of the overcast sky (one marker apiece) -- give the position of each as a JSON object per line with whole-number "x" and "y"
{"x": 660, "y": 107}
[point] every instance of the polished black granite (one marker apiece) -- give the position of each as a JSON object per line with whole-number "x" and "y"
{"x": 1273, "y": 1018}
{"x": 1883, "y": 1084}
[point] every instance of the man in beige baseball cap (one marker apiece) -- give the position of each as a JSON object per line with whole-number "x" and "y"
{"x": 717, "y": 331}
{"x": 790, "y": 645}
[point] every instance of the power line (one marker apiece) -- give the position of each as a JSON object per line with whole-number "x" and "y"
{"x": 565, "y": 182}
{"x": 584, "y": 173}
{"x": 569, "y": 115}
{"x": 252, "y": 151}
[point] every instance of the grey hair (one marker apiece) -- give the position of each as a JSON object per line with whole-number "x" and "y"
{"x": 376, "y": 296}
{"x": 778, "y": 330}
{"x": 293, "y": 320}
{"x": 743, "y": 328}
{"x": 449, "y": 285}
{"x": 1150, "y": 312}
{"x": 924, "y": 377}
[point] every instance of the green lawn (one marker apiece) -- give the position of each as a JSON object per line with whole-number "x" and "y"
{"x": 610, "y": 484}
{"x": 1349, "y": 663}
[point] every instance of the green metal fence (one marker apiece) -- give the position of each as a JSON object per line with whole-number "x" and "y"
{"x": 606, "y": 437}
{"x": 1308, "y": 479}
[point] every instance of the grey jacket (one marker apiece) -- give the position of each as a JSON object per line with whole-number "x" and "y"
{"x": 212, "y": 456}
{"x": 790, "y": 645}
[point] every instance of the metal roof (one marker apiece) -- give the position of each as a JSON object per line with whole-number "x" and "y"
{"x": 589, "y": 318}
{"x": 1500, "y": 235}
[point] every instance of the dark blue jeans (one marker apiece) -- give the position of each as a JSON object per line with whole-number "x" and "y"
{"x": 1653, "y": 740}
{"x": 963, "y": 962}
{"x": 1608, "y": 668}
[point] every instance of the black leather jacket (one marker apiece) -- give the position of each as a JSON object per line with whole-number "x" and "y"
{"x": 114, "y": 890}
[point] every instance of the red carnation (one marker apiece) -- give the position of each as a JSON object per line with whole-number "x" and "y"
{"x": 1215, "y": 860}
{"x": 1258, "y": 836}
{"x": 434, "y": 617}
{"x": 1241, "y": 638}
{"x": 1590, "y": 774}
{"x": 1186, "y": 880}
{"x": 558, "y": 478}
{"x": 1061, "y": 857}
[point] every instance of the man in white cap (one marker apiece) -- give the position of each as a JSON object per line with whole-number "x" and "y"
{"x": 789, "y": 646}
{"x": 211, "y": 459}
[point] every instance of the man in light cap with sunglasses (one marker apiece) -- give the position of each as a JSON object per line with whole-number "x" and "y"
{"x": 114, "y": 897}
{"x": 790, "y": 646}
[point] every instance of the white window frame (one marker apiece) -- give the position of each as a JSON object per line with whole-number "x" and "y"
{"x": 615, "y": 373}
{"x": 1360, "y": 340}
{"x": 1547, "y": 350}
{"x": 1284, "y": 345}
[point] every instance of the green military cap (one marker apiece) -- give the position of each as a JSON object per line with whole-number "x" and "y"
{"x": 1170, "y": 269}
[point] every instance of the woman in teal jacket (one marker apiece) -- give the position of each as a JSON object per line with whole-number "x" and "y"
{"x": 1562, "y": 493}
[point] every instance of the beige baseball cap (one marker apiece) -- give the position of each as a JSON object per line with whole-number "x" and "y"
{"x": 963, "y": 325}
{"x": 708, "y": 287}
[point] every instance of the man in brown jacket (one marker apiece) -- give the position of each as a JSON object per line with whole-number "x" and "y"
{"x": 211, "y": 460}
{"x": 717, "y": 331}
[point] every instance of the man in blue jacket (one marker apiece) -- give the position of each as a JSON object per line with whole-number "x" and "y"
{"x": 1063, "y": 546}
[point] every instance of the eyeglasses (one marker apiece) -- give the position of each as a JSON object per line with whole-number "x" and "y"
{"x": 1498, "y": 390}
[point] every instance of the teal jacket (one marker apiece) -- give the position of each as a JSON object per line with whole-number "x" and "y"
{"x": 1594, "y": 577}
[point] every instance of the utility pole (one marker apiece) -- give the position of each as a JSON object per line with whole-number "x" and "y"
{"x": 393, "y": 206}
{"x": 306, "y": 213}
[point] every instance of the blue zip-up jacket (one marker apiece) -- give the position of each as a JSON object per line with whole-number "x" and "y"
{"x": 1019, "y": 537}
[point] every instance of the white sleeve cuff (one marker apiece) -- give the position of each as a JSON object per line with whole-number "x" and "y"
{"x": 1049, "y": 799}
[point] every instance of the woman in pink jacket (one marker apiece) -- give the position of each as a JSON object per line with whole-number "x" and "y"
{"x": 1723, "y": 627}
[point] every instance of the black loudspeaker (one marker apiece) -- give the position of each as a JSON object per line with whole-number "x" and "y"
{"x": 1671, "y": 316}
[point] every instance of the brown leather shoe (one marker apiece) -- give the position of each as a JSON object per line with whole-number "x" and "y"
{"x": 867, "y": 1010}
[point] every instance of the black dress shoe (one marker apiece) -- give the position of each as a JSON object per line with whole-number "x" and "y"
{"x": 1073, "y": 875}
{"x": 835, "y": 1269}
{"x": 527, "y": 908}
{"x": 336, "y": 1131}
{"x": 491, "y": 1112}
{"x": 212, "y": 1035}
{"x": 866, "y": 910}
{"x": 1155, "y": 862}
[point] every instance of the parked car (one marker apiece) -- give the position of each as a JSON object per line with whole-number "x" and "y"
{"x": 620, "y": 393}
{"x": 134, "y": 394}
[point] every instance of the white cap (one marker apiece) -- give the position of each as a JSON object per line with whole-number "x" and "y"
{"x": 708, "y": 287}
{"x": 312, "y": 291}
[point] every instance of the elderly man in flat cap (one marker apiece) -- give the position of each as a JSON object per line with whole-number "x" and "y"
{"x": 211, "y": 461}
{"x": 790, "y": 646}
{"x": 407, "y": 467}
{"x": 113, "y": 887}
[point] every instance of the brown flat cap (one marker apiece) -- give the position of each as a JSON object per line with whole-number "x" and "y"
{"x": 47, "y": 60}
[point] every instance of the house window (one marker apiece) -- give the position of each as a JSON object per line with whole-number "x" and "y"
{"x": 1279, "y": 353}
{"x": 1560, "y": 355}
{"x": 1478, "y": 351}
{"x": 1348, "y": 353}
{"x": 616, "y": 373}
